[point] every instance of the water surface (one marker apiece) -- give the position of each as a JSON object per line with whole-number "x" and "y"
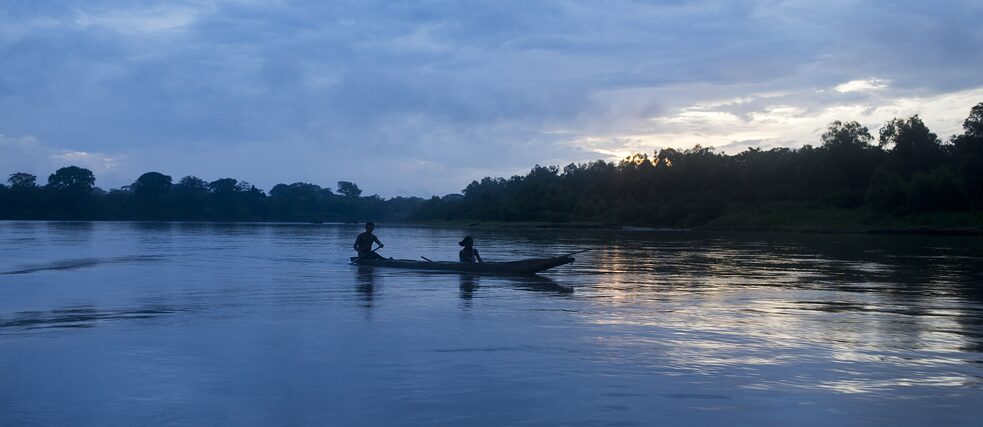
{"x": 259, "y": 324}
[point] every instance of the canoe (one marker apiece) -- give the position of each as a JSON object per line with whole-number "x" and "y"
{"x": 526, "y": 266}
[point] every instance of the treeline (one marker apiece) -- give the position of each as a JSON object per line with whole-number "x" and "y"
{"x": 909, "y": 170}
{"x": 70, "y": 193}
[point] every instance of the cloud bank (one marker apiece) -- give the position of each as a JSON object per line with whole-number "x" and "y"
{"x": 419, "y": 98}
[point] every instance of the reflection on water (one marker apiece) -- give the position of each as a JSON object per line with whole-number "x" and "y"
{"x": 76, "y": 317}
{"x": 71, "y": 264}
{"x": 365, "y": 284}
{"x": 469, "y": 282}
{"x": 648, "y": 327}
{"x": 541, "y": 284}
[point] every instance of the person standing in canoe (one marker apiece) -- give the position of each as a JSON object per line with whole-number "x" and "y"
{"x": 468, "y": 253}
{"x": 364, "y": 241}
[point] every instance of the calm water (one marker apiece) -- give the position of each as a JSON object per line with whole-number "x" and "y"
{"x": 132, "y": 324}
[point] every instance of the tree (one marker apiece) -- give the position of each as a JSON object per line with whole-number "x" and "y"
{"x": 939, "y": 190}
{"x": 152, "y": 185}
{"x": 72, "y": 178}
{"x": 72, "y": 187}
{"x": 252, "y": 201}
{"x": 193, "y": 184}
{"x": 223, "y": 186}
{"x": 349, "y": 189}
{"x": 149, "y": 190}
{"x": 297, "y": 201}
{"x": 232, "y": 199}
{"x": 849, "y": 134}
{"x": 973, "y": 125}
{"x": 22, "y": 180}
{"x": 915, "y": 147}
{"x": 190, "y": 197}
{"x": 886, "y": 191}
{"x": 847, "y": 160}
{"x": 24, "y": 199}
{"x": 967, "y": 150}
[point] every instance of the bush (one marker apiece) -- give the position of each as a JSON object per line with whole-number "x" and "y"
{"x": 938, "y": 190}
{"x": 886, "y": 191}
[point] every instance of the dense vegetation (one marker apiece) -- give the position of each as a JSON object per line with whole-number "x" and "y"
{"x": 910, "y": 171}
{"x": 71, "y": 194}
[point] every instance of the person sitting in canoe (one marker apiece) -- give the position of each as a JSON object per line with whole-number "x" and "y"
{"x": 364, "y": 241}
{"x": 468, "y": 253}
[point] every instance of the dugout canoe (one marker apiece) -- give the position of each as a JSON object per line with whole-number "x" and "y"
{"x": 525, "y": 266}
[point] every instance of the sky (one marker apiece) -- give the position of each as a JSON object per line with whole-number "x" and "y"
{"x": 421, "y": 98}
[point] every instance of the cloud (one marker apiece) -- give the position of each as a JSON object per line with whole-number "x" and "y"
{"x": 138, "y": 21}
{"x": 98, "y": 161}
{"x": 861, "y": 85}
{"x": 26, "y": 154}
{"x": 790, "y": 120}
{"x": 422, "y": 97}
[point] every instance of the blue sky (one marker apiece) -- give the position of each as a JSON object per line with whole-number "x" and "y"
{"x": 419, "y": 98}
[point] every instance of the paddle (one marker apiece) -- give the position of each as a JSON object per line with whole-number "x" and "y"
{"x": 428, "y": 259}
{"x": 578, "y": 252}
{"x": 356, "y": 258}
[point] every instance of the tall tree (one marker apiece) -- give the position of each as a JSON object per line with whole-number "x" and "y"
{"x": 22, "y": 180}
{"x": 72, "y": 187}
{"x": 968, "y": 152}
{"x": 152, "y": 185}
{"x": 223, "y": 186}
{"x": 297, "y": 201}
{"x": 72, "y": 178}
{"x": 973, "y": 125}
{"x": 849, "y": 161}
{"x": 190, "y": 197}
{"x": 914, "y": 146}
{"x": 150, "y": 190}
{"x": 848, "y": 134}
{"x": 349, "y": 189}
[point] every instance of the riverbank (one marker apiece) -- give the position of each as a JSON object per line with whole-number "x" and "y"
{"x": 772, "y": 218}
{"x": 792, "y": 218}
{"x": 784, "y": 218}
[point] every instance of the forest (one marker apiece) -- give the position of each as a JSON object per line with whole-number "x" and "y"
{"x": 850, "y": 177}
{"x": 71, "y": 194}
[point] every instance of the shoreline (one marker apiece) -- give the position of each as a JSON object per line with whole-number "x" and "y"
{"x": 846, "y": 229}
{"x": 897, "y": 228}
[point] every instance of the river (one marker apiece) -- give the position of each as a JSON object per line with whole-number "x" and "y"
{"x": 267, "y": 324}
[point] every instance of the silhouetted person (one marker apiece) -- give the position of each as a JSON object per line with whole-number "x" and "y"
{"x": 363, "y": 243}
{"x": 468, "y": 253}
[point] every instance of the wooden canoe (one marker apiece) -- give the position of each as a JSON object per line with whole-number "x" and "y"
{"x": 526, "y": 266}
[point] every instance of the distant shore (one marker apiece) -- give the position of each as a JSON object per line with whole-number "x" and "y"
{"x": 820, "y": 221}
{"x": 953, "y": 225}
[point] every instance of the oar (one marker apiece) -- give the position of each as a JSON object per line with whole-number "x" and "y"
{"x": 578, "y": 252}
{"x": 428, "y": 259}
{"x": 356, "y": 258}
